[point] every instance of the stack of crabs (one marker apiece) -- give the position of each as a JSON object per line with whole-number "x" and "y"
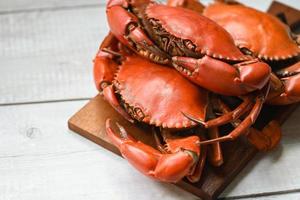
{"x": 178, "y": 67}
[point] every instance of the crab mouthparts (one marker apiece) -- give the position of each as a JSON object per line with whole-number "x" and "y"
{"x": 152, "y": 54}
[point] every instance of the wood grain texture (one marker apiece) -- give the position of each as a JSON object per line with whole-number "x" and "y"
{"x": 30, "y": 5}
{"x": 285, "y": 196}
{"x": 77, "y": 176}
{"x": 38, "y": 129}
{"x": 48, "y": 55}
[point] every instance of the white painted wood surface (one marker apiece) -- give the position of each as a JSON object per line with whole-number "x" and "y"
{"x": 7, "y": 6}
{"x": 49, "y": 54}
{"x": 37, "y": 151}
{"x": 41, "y": 159}
{"x": 45, "y": 55}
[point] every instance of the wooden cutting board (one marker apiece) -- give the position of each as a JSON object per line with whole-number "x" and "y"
{"x": 90, "y": 123}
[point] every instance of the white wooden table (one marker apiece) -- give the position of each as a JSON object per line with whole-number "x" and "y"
{"x": 46, "y": 51}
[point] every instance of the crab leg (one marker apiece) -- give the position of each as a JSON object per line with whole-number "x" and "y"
{"x": 223, "y": 78}
{"x": 244, "y": 125}
{"x": 289, "y": 78}
{"x": 226, "y": 117}
{"x": 170, "y": 167}
{"x": 215, "y": 155}
{"x": 263, "y": 140}
{"x": 125, "y": 27}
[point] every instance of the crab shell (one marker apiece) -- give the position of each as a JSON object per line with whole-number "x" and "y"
{"x": 159, "y": 95}
{"x": 263, "y": 34}
{"x": 206, "y": 36}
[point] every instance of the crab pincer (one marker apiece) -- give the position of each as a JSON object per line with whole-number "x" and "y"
{"x": 196, "y": 46}
{"x": 286, "y": 86}
{"x": 167, "y": 167}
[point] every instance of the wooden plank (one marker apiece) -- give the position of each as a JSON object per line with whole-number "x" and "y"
{"x": 39, "y": 129}
{"x": 90, "y": 123}
{"x": 29, "y": 5}
{"x": 285, "y": 196}
{"x": 40, "y": 158}
{"x": 286, "y": 14}
{"x": 77, "y": 176}
{"x": 48, "y": 55}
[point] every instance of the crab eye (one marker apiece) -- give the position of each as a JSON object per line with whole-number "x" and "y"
{"x": 246, "y": 51}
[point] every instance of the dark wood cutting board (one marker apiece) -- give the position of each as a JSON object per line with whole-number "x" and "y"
{"x": 90, "y": 123}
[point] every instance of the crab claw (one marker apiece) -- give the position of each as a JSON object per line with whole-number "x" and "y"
{"x": 169, "y": 167}
{"x": 223, "y": 78}
{"x": 104, "y": 66}
{"x": 125, "y": 27}
{"x": 286, "y": 89}
{"x": 291, "y": 93}
{"x": 104, "y": 69}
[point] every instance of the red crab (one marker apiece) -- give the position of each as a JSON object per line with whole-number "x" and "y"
{"x": 270, "y": 40}
{"x": 196, "y": 46}
{"x": 147, "y": 92}
{"x": 158, "y": 95}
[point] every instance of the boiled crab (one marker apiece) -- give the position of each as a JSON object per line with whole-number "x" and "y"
{"x": 158, "y": 95}
{"x": 196, "y": 46}
{"x": 261, "y": 35}
{"x": 147, "y": 92}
